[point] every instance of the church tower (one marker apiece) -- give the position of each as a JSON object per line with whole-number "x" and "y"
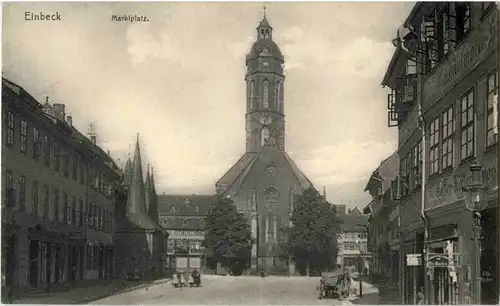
{"x": 265, "y": 83}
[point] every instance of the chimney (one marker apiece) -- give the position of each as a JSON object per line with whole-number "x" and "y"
{"x": 69, "y": 120}
{"x": 59, "y": 111}
{"x": 324, "y": 192}
{"x": 349, "y": 211}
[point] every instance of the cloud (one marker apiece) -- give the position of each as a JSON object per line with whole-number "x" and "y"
{"x": 178, "y": 81}
{"x": 344, "y": 162}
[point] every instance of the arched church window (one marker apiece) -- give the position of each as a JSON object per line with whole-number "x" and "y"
{"x": 251, "y": 93}
{"x": 265, "y": 94}
{"x": 278, "y": 96}
{"x": 271, "y": 198}
{"x": 264, "y": 136}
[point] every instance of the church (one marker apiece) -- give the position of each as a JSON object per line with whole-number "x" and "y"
{"x": 264, "y": 181}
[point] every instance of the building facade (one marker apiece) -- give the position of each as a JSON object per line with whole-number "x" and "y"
{"x": 265, "y": 180}
{"x": 444, "y": 81}
{"x": 352, "y": 242}
{"x": 384, "y": 221}
{"x": 183, "y": 216}
{"x": 58, "y": 204}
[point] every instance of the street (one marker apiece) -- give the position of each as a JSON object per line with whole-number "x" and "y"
{"x": 228, "y": 290}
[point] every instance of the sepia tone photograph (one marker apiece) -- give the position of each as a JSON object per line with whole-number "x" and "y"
{"x": 250, "y": 153}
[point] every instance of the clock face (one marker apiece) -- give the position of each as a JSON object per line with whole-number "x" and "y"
{"x": 266, "y": 120}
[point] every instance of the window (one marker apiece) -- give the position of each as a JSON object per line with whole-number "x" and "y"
{"x": 74, "y": 167}
{"x": 467, "y": 126}
{"x": 447, "y": 138}
{"x": 90, "y": 213}
{"x": 264, "y": 136}
{"x": 251, "y": 93}
{"x": 292, "y": 198}
{"x": 22, "y": 192}
{"x": 434, "y": 147}
{"x": 106, "y": 221}
{"x": 111, "y": 222}
{"x": 24, "y": 136}
{"x": 10, "y": 128}
{"x": 57, "y": 152}
{"x": 74, "y": 211}
{"x": 278, "y": 96}
{"x": 202, "y": 222}
{"x": 46, "y": 200}
{"x": 56, "y": 204}
{"x": 82, "y": 170}
{"x": 173, "y": 210}
{"x": 463, "y": 12}
{"x": 65, "y": 162}
{"x": 185, "y": 222}
{"x": 429, "y": 37}
{"x": 82, "y": 216}
{"x": 35, "y": 197}
{"x": 492, "y": 93}
{"x": 46, "y": 151}
{"x": 265, "y": 94}
{"x": 37, "y": 145}
{"x": 66, "y": 212}
{"x": 9, "y": 186}
{"x": 411, "y": 67}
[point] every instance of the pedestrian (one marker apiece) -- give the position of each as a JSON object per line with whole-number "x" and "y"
{"x": 420, "y": 296}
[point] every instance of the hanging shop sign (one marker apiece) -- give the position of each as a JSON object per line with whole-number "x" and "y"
{"x": 413, "y": 260}
{"x": 442, "y": 260}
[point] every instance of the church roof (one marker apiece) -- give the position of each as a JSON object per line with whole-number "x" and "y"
{"x": 233, "y": 172}
{"x": 185, "y": 205}
{"x": 243, "y": 172}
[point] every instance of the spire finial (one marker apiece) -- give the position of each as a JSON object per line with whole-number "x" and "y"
{"x": 264, "y": 10}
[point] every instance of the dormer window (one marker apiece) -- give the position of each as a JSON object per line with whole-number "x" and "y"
{"x": 185, "y": 222}
{"x": 173, "y": 209}
{"x": 197, "y": 208}
{"x": 187, "y": 201}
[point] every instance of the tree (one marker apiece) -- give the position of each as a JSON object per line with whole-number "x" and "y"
{"x": 228, "y": 236}
{"x": 311, "y": 240}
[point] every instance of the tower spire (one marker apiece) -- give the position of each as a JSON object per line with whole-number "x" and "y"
{"x": 264, "y": 11}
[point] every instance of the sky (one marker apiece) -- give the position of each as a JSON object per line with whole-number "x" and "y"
{"x": 178, "y": 81}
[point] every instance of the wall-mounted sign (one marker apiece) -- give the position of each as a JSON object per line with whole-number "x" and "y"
{"x": 413, "y": 260}
{"x": 448, "y": 188}
{"x": 474, "y": 49}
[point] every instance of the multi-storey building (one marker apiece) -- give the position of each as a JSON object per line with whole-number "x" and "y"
{"x": 58, "y": 197}
{"x": 444, "y": 82}
{"x": 383, "y": 223}
{"x": 352, "y": 241}
{"x": 183, "y": 216}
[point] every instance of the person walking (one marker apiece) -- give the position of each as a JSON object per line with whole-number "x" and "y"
{"x": 420, "y": 296}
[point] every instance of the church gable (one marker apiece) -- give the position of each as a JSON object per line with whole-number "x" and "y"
{"x": 271, "y": 177}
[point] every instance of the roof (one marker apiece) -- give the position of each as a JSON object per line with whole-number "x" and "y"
{"x": 233, "y": 172}
{"x": 271, "y": 142}
{"x": 185, "y": 205}
{"x": 71, "y": 131}
{"x": 354, "y": 223}
{"x": 385, "y": 172}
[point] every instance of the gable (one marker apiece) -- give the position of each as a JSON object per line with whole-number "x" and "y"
{"x": 271, "y": 155}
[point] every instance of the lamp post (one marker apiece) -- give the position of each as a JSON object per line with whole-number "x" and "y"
{"x": 475, "y": 202}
